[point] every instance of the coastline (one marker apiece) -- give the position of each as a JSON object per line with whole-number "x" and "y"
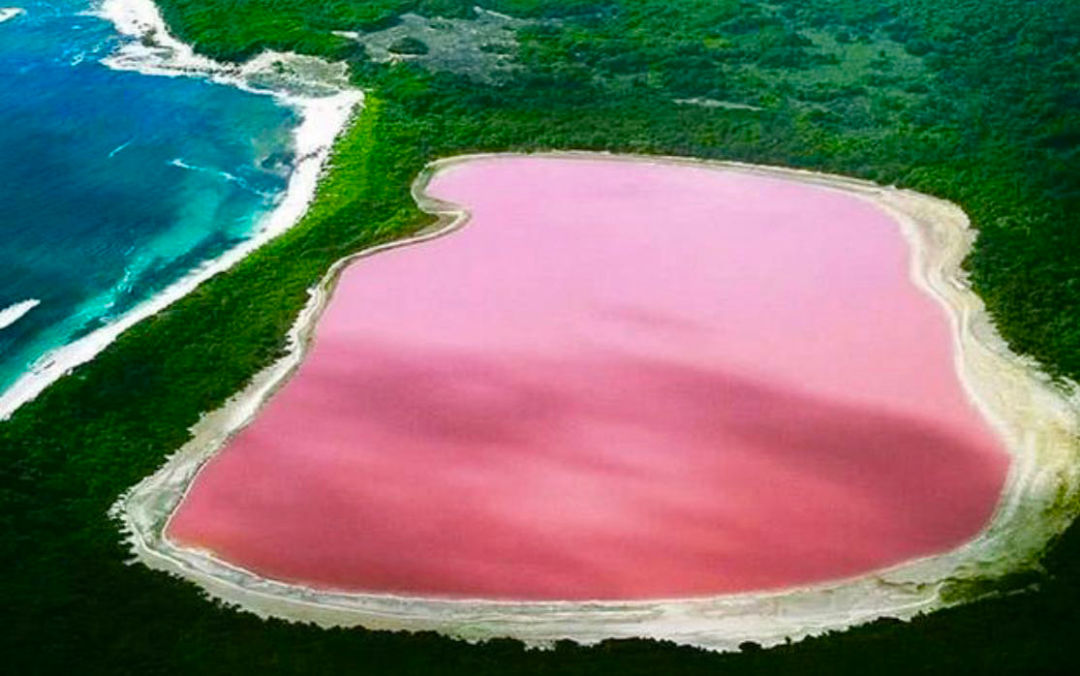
{"x": 316, "y": 90}
{"x": 1035, "y": 419}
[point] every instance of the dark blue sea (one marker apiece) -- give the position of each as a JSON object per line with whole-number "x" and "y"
{"x": 114, "y": 184}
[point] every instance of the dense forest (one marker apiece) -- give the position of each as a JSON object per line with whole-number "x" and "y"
{"x": 975, "y": 101}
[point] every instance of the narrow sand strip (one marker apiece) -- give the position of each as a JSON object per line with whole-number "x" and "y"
{"x": 1037, "y": 421}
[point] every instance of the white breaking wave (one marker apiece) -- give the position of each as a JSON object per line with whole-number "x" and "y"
{"x": 232, "y": 178}
{"x": 317, "y": 90}
{"x": 14, "y": 313}
{"x": 118, "y": 148}
{"x": 181, "y": 164}
{"x": 10, "y": 13}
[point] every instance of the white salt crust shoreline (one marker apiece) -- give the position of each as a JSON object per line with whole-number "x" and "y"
{"x": 319, "y": 93}
{"x": 1038, "y": 421}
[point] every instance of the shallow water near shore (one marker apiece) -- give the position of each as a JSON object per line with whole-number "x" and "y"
{"x": 113, "y": 185}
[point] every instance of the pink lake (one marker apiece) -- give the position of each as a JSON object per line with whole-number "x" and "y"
{"x": 619, "y": 380}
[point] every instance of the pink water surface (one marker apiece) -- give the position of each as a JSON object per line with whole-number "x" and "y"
{"x": 618, "y": 380}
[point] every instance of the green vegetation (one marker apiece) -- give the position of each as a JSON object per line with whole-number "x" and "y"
{"x": 976, "y": 101}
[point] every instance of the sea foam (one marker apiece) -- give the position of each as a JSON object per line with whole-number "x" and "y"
{"x": 14, "y": 313}
{"x": 7, "y": 13}
{"x": 232, "y": 178}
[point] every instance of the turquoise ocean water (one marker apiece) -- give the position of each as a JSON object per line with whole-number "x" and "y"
{"x": 114, "y": 184}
